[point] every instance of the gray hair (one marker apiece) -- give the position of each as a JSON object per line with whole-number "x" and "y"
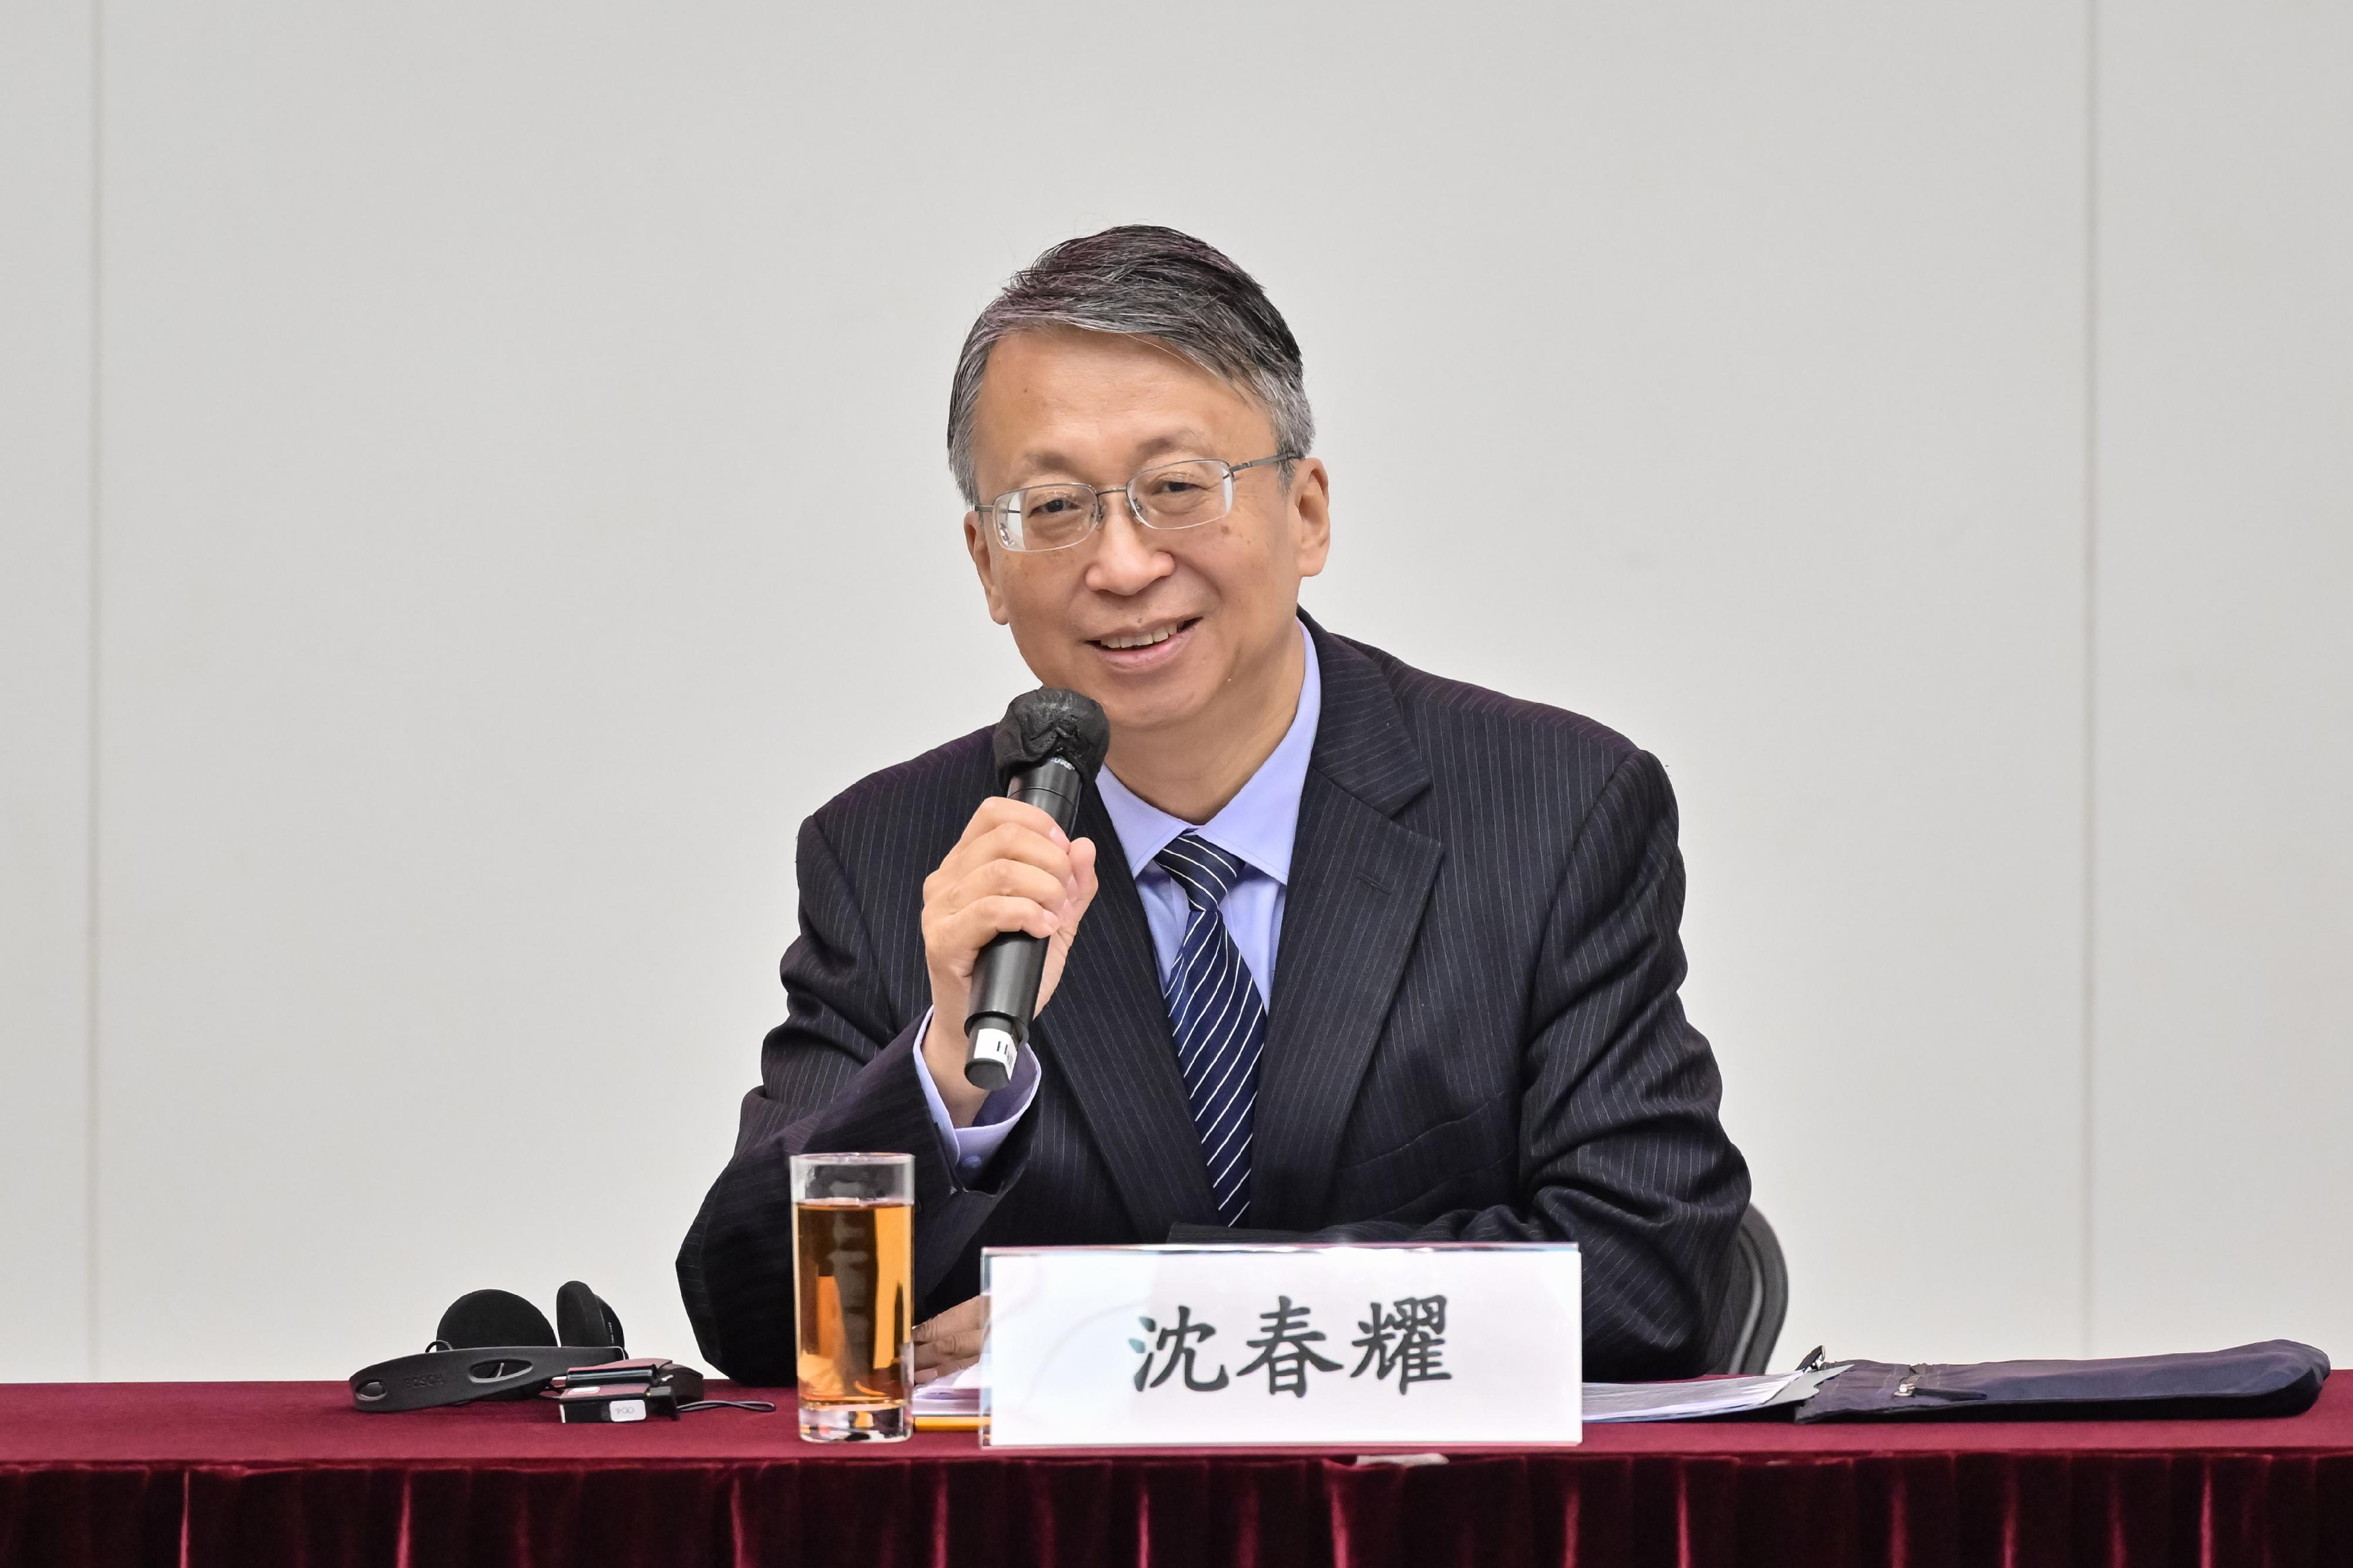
{"x": 1145, "y": 281}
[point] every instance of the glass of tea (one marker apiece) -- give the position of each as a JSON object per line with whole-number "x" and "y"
{"x": 854, "y": 1295}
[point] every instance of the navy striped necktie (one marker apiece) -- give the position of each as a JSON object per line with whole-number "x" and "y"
{"x": 1220, "y": 1023}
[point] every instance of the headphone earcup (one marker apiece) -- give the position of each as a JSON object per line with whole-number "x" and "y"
{"x": 583, "y": 1319}
{"x": 493, "y": 1318}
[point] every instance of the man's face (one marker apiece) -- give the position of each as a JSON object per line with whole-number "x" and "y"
{"x": 1209, "y": 611}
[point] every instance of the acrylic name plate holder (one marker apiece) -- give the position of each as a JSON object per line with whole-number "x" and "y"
{"x": 1224, "y": 1346}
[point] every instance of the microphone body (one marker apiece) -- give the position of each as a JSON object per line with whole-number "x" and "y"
{"x": 1049, "y": 743}
{"x": 1005, "y": 979}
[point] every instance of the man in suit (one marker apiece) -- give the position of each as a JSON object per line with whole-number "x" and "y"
{"x": 1341, "y": 950}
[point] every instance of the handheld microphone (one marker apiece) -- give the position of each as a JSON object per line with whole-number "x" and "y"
{"x": 1049, "y": 744}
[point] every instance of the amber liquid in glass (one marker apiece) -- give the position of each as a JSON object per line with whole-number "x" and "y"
{"x": 856, "y": 1290}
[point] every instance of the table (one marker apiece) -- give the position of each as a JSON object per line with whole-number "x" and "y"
{"x": 260, "y": 1475}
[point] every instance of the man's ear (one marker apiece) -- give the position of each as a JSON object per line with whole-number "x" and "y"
{"x": 984, "y": 562}
{"x": 1310, "y": 513}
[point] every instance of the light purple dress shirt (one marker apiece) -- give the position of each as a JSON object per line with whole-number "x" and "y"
{"x": 1258, "y": 825}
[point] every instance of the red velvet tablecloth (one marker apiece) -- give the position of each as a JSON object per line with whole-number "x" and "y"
{"x": 259, "y": 1475}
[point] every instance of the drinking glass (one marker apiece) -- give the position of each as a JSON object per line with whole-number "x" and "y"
{"x": 853, "y": 1288}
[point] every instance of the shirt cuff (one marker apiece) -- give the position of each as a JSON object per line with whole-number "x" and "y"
{"x": 972, "y": 1147}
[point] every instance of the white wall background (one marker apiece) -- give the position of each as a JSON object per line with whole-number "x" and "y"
{"x": 1926, "y": 428}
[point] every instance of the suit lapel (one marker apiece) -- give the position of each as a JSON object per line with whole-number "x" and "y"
{"x": 1360, "y": 882}
{"x": 1106, "y": 1032}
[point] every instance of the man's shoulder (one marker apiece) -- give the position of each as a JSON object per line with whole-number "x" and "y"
{"x": 914, "y": 802}
{"x": 1451, "y": 719}
{"x": 1505, "y": 777}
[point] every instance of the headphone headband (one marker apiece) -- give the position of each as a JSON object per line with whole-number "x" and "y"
{"x": 429, "y": 1378}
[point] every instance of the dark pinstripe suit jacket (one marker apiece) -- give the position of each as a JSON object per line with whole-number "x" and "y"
{"x": 1474, "y": 1033}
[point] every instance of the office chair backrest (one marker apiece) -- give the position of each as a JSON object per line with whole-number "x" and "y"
{"x": 1755, "y": 1299}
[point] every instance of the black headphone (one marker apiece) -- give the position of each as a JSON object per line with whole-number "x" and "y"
{"x": 493, "y": 1344}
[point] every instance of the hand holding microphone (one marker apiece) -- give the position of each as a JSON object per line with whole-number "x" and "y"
{"x": 1000, "y": 913}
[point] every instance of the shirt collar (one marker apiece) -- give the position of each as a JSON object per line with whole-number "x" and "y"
{"x": 1261, "y": 820}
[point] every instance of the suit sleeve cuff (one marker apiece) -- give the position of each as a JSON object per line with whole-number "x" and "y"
{"x": 971, "y": 1148}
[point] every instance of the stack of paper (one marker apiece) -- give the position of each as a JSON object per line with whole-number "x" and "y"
{"x": 958, "y": 1394}
{"x": 1606, "y": 1402}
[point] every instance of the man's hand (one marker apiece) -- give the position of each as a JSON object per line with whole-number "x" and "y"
{"x": 1012, "y": 870}
{"x": 951, "y": 1341}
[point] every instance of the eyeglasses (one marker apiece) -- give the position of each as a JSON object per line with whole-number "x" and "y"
{"x": 1170, "y": 497}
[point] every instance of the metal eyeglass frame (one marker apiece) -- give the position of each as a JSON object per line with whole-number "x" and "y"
{"x": 1100, "y": 512}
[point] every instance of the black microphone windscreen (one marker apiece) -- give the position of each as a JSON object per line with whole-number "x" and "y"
{"x": 493, "y": 1318}
{"x": 1051, "y": 722}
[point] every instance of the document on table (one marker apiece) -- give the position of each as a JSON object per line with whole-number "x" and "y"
{"x": 958, "y": 1393}
{"x": 1606, "y": 1402}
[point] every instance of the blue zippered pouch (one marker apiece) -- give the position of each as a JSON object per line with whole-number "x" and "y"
{"x": 2276, "y": 1377}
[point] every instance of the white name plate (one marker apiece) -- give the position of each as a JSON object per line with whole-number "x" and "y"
{"x": 1174, "y": 1346}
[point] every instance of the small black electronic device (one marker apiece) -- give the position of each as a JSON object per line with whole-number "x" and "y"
{"x": 1049, "y": 744}
{"x": 626, "y": 1391}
